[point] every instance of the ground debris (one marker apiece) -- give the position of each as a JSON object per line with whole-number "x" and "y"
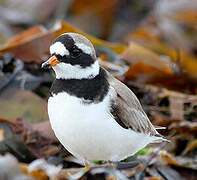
{"x": 157, "y": 61}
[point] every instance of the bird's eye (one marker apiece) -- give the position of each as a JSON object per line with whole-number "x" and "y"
{"x": 75, "y": 53}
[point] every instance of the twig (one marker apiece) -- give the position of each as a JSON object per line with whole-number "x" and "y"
{"x": 139, "y": 175}
{"x": 127, "y": 165}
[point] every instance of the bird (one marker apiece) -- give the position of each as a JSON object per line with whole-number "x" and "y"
{"x": 94, "y": 115}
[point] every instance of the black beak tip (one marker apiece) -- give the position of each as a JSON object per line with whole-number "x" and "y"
{"x": 45, "y": 65}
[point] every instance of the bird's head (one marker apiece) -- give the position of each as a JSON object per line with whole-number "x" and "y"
{"x": 72, "y": 57}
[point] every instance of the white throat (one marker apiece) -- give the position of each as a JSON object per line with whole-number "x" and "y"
{"x": 68, "y": 71}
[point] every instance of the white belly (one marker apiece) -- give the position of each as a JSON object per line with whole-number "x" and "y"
{"x": 90, "y": 132}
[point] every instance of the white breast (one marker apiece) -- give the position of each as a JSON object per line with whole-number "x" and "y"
{"x": 89, "y": 131}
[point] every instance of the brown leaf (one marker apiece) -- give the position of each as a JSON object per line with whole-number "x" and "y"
{"x": 136, "y": 53}
{"x": 145, "y": 73}
{"x": 190, "y": 147}
{"x": 185, "y": 128}
{"x": 30, "y": 48}
{"x": 177, "y": 101}
{"x": 165, "y": 106}
{"x": 180, "y": 161}
{"x": 153, "y": 178}
{"x": 13, "y": 144}
{"x": 186, "y": 17}
{"x": 65, "y": 27}
{"x": 188, "y": 62}
{"x": 41, "y": 144}
{"x": 168, "y": 157}
{"x": 7, "y": 120}
{"x": 50, "y": 150}
{"x": 148, "y": 74}
{"x": 35, "y": 47}
{"x": 44, "y": 128}
{"x": 24, "y": 36}
{"x": 151, "y": 37}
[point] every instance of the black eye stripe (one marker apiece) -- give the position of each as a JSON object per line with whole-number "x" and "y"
{"x": 76, "y": 55}
{"x": 75, "y": 52}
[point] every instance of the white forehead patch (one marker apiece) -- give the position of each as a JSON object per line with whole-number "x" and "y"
{"x": 58, "y": 48}
{"x": 86, "y": 49}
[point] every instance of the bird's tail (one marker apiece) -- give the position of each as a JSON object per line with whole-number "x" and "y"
{"x": 158, "y": 138}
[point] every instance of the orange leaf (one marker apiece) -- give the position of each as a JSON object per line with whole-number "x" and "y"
{"x": 153, "y": 178}
{"x": 28, "y": 34}
{"x": 145, "y": 73}
{"x": 152, "y": 41}
{"x": 136, "y": 53}
{"x": 1, "y": 135}
{"x": 169, "y": 158}
{"x": 30, "y": 48}
{"x": 38, "y": 174}
{"x": 35, "y": 47}
{"x": 187, "y": 17}
{"x": 65, "y": 27}
{"x": 85, "y": 10}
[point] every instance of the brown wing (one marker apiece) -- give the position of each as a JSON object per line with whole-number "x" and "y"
{"x": 127, "y": 109}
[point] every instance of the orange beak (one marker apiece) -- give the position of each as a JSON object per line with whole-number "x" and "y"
{"x": 52, "y": 61}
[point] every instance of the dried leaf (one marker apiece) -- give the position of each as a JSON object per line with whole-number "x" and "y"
{"x": 168, "y": 157}
{"x": 40, "y": 144}
{"x": 185, "y": 128}
{"x": 24, "y": 36}
{"x": 65, "y": 27}
{"x": 30, "y": 48}
{"x": 136, "y": 53}
{"x": 150, "y": 39}
{"x": 188, "y": 61}
{"x": 36, "y": 47}
{"x": 87, "y": 12}
{"x": 180, "y": 161}
{"x": 154, "y": 178}
{"x": 7, "y": 121}
{"x": 165, "y": 106}
{"x": 177, "y": 101}
{"x": 146, "y": 74}
{"x": 190, "y": 147}
{"x": 69, "y": 172}
{"x": 13, "y": 144}
{"x": 21, "y": 103}
{"x": 186, "y": 16}
{"x": 1, "y": 135}
{"x": 44, "y": 128}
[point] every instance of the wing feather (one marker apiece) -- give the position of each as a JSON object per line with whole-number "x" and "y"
{"x": 127, "y": 109}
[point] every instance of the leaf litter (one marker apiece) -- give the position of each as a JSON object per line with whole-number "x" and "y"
{"x": 155, "y": 63}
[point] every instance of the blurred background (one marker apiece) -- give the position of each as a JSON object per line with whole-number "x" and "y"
{"x": 151, "y": 46}
{"x": 105, "y": 19}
